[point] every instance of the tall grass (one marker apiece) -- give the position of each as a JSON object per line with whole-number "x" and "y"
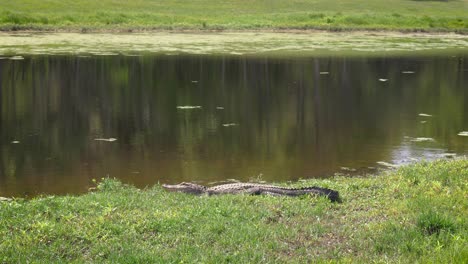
{"x": 210, "y": 14}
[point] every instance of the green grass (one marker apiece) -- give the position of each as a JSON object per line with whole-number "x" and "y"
{"x": 415, "y": 214}
{"x": 119, "y": 15}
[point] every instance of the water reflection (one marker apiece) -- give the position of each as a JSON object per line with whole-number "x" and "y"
{"x": 278, "y": 119}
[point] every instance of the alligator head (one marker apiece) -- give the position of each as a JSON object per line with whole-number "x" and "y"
{"x": 186, "y": 187}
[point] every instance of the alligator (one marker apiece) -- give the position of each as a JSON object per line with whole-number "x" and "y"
{"x": 251, "y": 188}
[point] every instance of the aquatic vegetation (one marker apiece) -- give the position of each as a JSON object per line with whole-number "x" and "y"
{"x": 424, "y": 115}
{"x": 188, "y": 107}
{"x": 387, "y": 164}
{"x": 422, "y": 139}
{"x": 233, "y": 44}
{"x": 106, "y": 139}
{"x": 229, "y": 124}
{"x": 16, "y": 58}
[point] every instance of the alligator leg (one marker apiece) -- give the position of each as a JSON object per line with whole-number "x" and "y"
{"x": 261, "y": 191}
{"x": 253, "y": 191}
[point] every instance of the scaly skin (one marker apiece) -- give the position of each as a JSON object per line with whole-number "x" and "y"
{"x": 253, "y": 189}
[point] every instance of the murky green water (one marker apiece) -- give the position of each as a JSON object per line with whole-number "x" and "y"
{"x": 66, "y": 120}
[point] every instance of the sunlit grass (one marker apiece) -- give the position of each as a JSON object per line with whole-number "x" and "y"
{"x": 238, "y": 15}
{"x": 415, "y": 214}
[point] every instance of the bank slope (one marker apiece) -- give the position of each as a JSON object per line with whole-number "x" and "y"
{"x": 415, "y": 214}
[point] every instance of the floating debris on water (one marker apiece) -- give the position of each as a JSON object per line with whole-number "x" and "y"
{"x": 189, "y": 107}
{"x": 347, "y": 169}
{"x": 386, "y": 164}
{"x": 230, "y": 124}
{"x": 422, "y": 139}
{"x": 105, "y": 53}
{"x": 425, "y": 115}
{"x": 220, "y": 108}
{"x": 383, "y": 80}
{"x": 463, "y": 134}
{"x": 449, "y": 155}
{"x": 324, "y": 73}
{"x": 106, "y": 139}
{"x": 407, "y": 72}
{"x": 4, "y": 199}
{"x": 15, "y": 142}
{"x": 17, "y": 58}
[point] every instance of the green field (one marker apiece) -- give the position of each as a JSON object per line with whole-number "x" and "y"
{"x": 118, "y": 15}
{"x": 417, "y": 214}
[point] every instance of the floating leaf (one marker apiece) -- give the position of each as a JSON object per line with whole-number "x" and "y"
{"x": 189, "y": 107}
{"x": 106, "y": 139}
{"x": 230, "y": 124}
{"x": 347, "y": 169}
{"x": 383, "y": 80}
{"x": 105, "y": 53}
{"x": 386, "y": 164}
{"x": 463, "y": 134}
{"x": 449, "y": 155}
{"x": 4, "y": 199}
{"x": 422, "y": 139}
{"x": 15, "y": 142}
{"x": 425, "y": 115}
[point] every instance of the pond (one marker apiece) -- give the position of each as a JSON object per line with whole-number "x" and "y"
{"x": 155, "y": 118}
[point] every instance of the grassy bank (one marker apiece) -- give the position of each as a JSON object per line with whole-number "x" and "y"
{"x": 418, "y": 213}
{"x": 108, "y": 15}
